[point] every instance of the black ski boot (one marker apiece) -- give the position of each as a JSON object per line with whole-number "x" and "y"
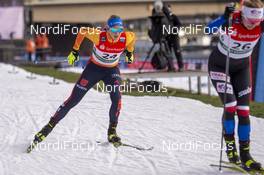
{"x": 43, "y": 133}
{"x": 231, "y": 150}
{"x": 40, "y": 136}
{"x": 112, "y": 136}
{"x": 247, "y": 161}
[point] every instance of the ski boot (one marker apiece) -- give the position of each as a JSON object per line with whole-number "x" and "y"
{"x": 231, "y": 150}
{"x": 112, "y": 136}
{"x": 247, "y": 161}
{"x": 43, "y": 133}
{"x": 40, "y": 136}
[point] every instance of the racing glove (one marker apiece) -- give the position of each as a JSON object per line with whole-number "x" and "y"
{"x": 73, "y": 57}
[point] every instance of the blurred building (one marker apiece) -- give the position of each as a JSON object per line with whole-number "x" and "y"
{"x": 82, "y": 11}
{"x": 12, "y": 29}
{"x": 95, "y": 12}
{"x": 4, "y": 3}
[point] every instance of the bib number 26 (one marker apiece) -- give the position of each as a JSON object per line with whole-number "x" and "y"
{"x": 241, "y": 46}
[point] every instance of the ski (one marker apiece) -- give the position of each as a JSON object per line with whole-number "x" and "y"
{"x": 31, "y": 146}
{"x": 231, "y": 167}
{"x": 140, "y": 148}
{"x": 245, "y": 169}
{"x": 223, "y": 166}
{"x": 239, "y": 168}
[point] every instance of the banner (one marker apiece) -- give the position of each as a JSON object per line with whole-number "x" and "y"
{"x": 259, "y": 92}
{"x": 12, "y": 23}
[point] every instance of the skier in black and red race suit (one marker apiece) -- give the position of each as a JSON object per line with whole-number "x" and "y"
{"x": 108, "y": 45}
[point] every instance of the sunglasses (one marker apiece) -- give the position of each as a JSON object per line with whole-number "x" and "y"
{"x": 116, "y": 30}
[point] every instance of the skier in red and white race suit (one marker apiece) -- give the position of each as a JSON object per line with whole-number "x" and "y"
{"x": 240, "y": 39}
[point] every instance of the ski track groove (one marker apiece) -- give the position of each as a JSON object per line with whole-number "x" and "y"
{"x": 11, "y": 136}
{"x": 36, "y": 127}
{"x": 151, "y": 165}
{"x": 113, "y": 157}
{"x": 2, "y": 167}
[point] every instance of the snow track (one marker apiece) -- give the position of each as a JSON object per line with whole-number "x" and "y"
{"x": 171, "y": 125}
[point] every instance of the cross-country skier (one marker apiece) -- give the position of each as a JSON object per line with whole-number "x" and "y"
{"x": 108, "y": 45}
{"x": 240, "y": 41}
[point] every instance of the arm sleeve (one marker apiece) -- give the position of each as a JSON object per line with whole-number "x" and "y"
{"x": 130, "y": 41}
{"x": 215, "y": 24}
{"x": 92, "y": 34}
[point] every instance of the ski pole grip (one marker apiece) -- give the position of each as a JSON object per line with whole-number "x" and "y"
{"x": 229, "y": 10}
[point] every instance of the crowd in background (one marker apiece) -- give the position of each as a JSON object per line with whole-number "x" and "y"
{"x": 37, "y": 47}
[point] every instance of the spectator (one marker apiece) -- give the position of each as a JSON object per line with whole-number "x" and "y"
{"x": 30, "y": 48}
{"x": 45, "y": 46}
{"x": 39, "y": 52}
{"x": 174, "y": 39}
{"x": 42, "y": 45}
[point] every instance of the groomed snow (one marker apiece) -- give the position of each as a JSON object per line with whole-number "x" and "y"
{"x": 171, "y": 125}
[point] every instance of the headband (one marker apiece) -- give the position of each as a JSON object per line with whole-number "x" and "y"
{"x": 252, "y": 13}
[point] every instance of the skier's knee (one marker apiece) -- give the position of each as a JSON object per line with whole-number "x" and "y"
{"x": 243, "y": 115}
{"x": 119, "y": 105}
{"x": 243, "y": 111}
{"x": 115, "y": 97}
{"x": 71, "y": 102}
{"x": 231, "y": 107}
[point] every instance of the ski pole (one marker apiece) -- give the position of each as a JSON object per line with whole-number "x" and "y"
{"x": 50, "y": 61}
{"x": 229, "y": 23}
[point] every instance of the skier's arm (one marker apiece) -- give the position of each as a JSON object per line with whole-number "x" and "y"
{"x": 130, "y": 41}
{"x": 214, "y": 26}
{"x": 90, "y": 33}
{"x": 130, "y": 46}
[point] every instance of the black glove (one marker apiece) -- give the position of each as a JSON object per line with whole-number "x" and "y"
{"x": 129, "y": 57}
{"x": 75, "y": 53}
{"x": 230, "y": 8}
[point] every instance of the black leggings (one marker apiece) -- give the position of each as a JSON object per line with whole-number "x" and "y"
{"x": 91, "y": 75}
{"x": 174, "y": 43}
{"x": 238, "y": 91}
